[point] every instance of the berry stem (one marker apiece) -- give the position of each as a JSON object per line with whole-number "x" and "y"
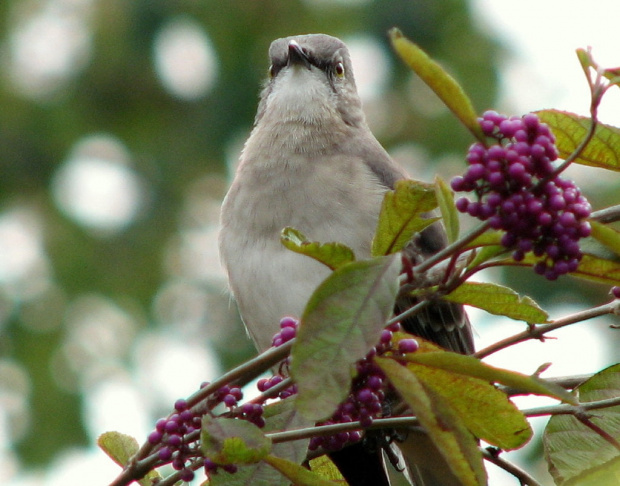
{"x": 451, "y": 248}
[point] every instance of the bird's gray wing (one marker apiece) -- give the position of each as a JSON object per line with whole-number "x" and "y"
{"x": 443, "y": 323}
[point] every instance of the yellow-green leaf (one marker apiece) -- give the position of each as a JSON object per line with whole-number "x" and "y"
{"x": 591, "y": 267}
{"x": 598, "y": 269}
{"x": 233, "y": 441}
{"x": 325, "y": 468}
{"x": 432, "y": 355}
{"x": 297, "y": 474}
{"x": 606, "y": 235}
{"x": 498, "y": 300}
{"x": 570, "y": 129}
{"x": 400, "y": 217}
{"x": 334, "y": 255}
{"x": 121, "y": 448}
{"x": 449, "y": 214}
{"x": 485, "y": 411}
{"x": 341, "y": 322}
{"x": 444, "y": 85}
{"x": 444, "y": 427}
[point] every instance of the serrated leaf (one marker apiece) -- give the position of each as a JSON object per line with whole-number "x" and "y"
{"x": 498, "y": 300}
{"x": 570, "y": 129}
{"x": 444, "y": 85}
{"x": 342, "y": 321}
{"x": 334, "y": 255}
{"x": 121, "y": 448}
{"x": 232, "y": 441}
{"x": 449, "y": 214}
{"x": 299, "y": 475}
{"x": 430, "y": 354}
{"x": 400, "y": 217}
{"x": 485, "y": 411}
{"x": 606, "y": 235}
{"x": 576, "y": 454}
{"x": 444, "y": 427}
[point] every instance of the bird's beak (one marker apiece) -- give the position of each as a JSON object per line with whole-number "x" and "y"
{"x": 296, "y": 55}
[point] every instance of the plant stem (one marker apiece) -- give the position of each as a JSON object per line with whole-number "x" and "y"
{"x": 538, "y": 331}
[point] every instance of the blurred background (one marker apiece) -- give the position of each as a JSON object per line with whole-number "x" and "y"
{"x": 120, "y": 124}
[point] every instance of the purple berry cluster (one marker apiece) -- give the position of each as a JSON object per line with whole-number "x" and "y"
{"x": 173, "y": 436}
{"x": 365, "y": 401}
{"x": 518, "y": 192}
{"x": 176, "y": 436}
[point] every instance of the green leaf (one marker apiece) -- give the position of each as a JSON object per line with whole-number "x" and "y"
{"x": 233, "y": 441}
{"x": 121, "y": 448}
{"x": 334, "y": 255}
{"x": 282, "y": 415}
{"x": 400, "y": 217}
{"x": 591, "y": 267}
{"x": 570, "y": 129}
{"x": 444, "y": 427}
{"x": 488, "y": 238}
{"x": 325, "y": 468}
{"x": 485, "y": 254}
{"x": 490, "y": 244}
{"x": 432, "y": 355}
{"x": 485, "y": 411}
{"x": 444, "y": 85}
{"x": 342, "y": 321}
{"x": 498, "y": 300}
{"x": 449, "y": 214}
{"x": 606, "y": 235}
{"x": 576, "y": 454}
{"x": 598, "y": 269}
{"x": 299, "y": 475}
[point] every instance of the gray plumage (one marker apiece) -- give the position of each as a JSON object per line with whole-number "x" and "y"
{"x": 312, "y": 163}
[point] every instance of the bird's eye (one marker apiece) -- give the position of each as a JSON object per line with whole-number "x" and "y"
{"x": 339, "y": 70}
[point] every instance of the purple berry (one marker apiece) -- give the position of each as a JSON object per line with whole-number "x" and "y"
{"x": 407, "y": 346}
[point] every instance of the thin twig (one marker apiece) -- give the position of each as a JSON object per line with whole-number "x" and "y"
{"x": 566, "y": 382}
{"x": 566, "y": 409}
{"x": 607, "y": 215}
{"x": 523, "y": 477}
{"x": 538, "y": 331}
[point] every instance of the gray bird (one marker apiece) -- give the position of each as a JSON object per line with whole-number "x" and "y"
{"x": 312, "y": 163}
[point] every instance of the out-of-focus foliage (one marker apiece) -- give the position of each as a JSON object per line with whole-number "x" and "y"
{"x": 119, "y": 122}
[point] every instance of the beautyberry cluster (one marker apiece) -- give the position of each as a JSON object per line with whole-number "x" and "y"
{"x": 176, "y": 436}
{"x": 518, "y": 192}
{"x": 288, "y": 330}
{"x": 365, "y": 401}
